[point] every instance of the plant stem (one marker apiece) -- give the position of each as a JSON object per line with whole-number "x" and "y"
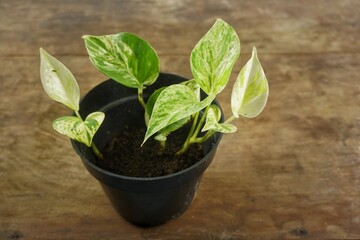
{"x": 230, "y": 119}
{"x": 191, "y": 132}
{"x": 96, "y": 151}
{"x": 203, "y": 117}
{"x": 162, "y": 147}
{"x": 184, "y": 147}
{"x": 194, "y": 131}
{"x": 140, "y": 97}
{"x": 208, "y": 135}
{"x": 93, "y": 146}
{"x": 78, "y": 115}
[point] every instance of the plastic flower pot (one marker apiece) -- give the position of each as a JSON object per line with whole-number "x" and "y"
{"x": 141, "y": 201}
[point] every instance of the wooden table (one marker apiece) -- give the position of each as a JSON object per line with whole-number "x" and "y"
{"x": 291, "y": 173}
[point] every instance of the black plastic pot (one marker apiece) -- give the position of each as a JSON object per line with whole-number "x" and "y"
{"x": 142, "y": 201}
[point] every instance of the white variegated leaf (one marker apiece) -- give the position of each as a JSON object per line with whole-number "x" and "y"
{"x": 212, "y": 122}
{"x": 151, "y": 102}
{"x": 214, "y": 56}
{"x": 194, "y": 86}
{"x": 251, "y": 89}
{"x": 58, "y": 81}
{"x": 93, "y": 122}
{"x": 173, "y": 104}
{"x": 172, "y": 127}
{"x": 124, "y": 57}
{"x": 81, "y": 131}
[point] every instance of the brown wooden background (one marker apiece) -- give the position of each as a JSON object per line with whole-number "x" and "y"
{"x": 292, "y": 173}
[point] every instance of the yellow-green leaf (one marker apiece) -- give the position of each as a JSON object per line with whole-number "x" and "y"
{"x": 214, "y": 56}
{"x": 251, "y": 89}
{"x": 75, "y": 128}
{"x": 124, "y": 57}
{"x": 173, "y": 104}
{"x": 58, "y": 81}
{"x": 212, "y": 121}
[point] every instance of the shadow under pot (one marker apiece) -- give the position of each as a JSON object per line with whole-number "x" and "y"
{"x": 144, "y": 201}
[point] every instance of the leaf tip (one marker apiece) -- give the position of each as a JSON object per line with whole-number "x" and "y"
{"x": 43, "y": 53}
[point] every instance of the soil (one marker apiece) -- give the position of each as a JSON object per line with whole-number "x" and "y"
{"x": 124, "y": 155}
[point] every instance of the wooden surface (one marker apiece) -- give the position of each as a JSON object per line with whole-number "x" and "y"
{"x": 292, "y": 173}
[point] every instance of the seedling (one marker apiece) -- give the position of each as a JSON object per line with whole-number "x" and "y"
{"x": 60, "y": 85}
{"x": 131, "y": 61}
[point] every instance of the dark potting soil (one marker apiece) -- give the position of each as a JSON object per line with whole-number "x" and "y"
{"x": 124, "y": 155}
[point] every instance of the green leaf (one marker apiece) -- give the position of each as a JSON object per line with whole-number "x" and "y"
{"x": 154, "y": 96}
{"x": 75, "y": 128}
{"x": 151, "y": 102}
{"x": 175, "y": 126}
{"x": 214, "y": 56}
{"x": 58, "y": 81}
{"x": 124, "y": 57}
{"x": 251, "y": 89}
{"x": 212, "y": 122}
{"x": 174, "y": 103}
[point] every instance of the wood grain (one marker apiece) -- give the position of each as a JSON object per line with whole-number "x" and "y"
{"x": 292, "y": 173}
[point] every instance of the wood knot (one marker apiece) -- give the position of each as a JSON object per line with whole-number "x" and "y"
{"x": 12, "y": 235}
{"x": 299, "y": 232}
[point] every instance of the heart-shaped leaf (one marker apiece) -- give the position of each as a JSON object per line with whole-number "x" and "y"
{"x": 58, "y": 81}
{"x": 75, "y": 128}
{"x": 214, "y": 56}
{"x": 192, "y": 84}
{"x": 124, "y": 57}
{"x": 251, "y": 89}
{"x": 173, "y": 104}
{"x": 212, "y": 121}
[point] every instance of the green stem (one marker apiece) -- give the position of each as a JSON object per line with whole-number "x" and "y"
{"x": 191, "y": 132}
{"x": 194, "y": 131}
{"x": 140, "y": 97}
{"x": 162, "y": 145}
{"x": 230, "y": 119}
{"x": 184, "y": 147}
{"x": 200, "y": 124}
{"x": 96, "y": 151}
{"x": 93, "y": 146}
{"x": 210, "y": 133}
{"x": 78, "y": 115}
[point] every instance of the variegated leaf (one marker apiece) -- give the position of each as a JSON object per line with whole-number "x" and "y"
{"x": 194, "y": 86}
{"x": 174, "y": 103}
{"x": 172, "y": 127}
{"x": 214, "y": 56}
{"x": 58, "y": 81}
{"x": 251, "y": 89}
{"x": 212, "y": 122}
{"x": 124, "y": 57}
{"x": 93, "y": 122}
{"x": 151, "y": 102}
{"x": 81, "y": 131}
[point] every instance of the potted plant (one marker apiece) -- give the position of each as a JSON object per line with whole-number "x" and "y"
{"x": 149, "y": 139}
